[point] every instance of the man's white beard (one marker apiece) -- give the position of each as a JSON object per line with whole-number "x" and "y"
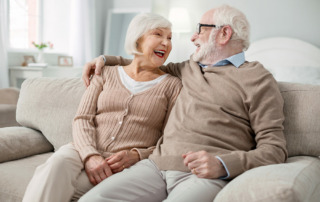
{"x": 207, "y": 50}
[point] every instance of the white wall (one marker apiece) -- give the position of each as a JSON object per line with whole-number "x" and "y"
{"x": 56, "y": 23}
{"x": 268, "y": 18}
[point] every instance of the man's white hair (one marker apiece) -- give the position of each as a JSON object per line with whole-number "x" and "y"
{"x": 227, "y": 15}
{"x": 141, "y": 24}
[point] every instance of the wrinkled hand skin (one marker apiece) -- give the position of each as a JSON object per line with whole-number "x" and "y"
{"x": 204, "y": 165}
{"x": 123, "y": 159}
{"x": 97, "y": 169}
{"x": 91, "y": 68}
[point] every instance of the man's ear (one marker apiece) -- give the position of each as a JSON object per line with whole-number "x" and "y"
{"x": 225, "y": 34}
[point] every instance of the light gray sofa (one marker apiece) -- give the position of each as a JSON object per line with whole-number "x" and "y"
{"x": 46, "y": 108}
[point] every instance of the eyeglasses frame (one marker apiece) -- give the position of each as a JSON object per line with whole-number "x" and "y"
{"x": 199, "y": 25}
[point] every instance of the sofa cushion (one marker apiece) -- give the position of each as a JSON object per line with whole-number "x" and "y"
{"x": 16, "y": 175}
{"x": 20, "y": 142}
{"x": 302, "y": 118}
{"x": 49, "y": 105}
{"x": 296, "y": 180}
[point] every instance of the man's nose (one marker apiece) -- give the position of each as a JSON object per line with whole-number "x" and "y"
{"x": 194, "y": 36}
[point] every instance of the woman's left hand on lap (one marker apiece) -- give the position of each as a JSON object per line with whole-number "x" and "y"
{"x": 123, "y": 159}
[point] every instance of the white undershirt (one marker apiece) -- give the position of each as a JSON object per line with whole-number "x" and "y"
{"x": 137, "y": 86}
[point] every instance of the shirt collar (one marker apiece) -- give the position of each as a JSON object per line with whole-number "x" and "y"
{"x": 236, "y": 60}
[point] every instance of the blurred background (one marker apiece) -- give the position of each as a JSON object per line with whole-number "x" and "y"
{"x": 76, "y": 31}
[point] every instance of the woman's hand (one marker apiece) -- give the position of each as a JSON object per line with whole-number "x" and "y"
{"x": 90, "y": 68}
{"x": 123, "y": 159}
{"x": 97, "y": 169}
{"x": 204, "y": 165}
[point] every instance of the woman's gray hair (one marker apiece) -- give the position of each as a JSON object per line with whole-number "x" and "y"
{"x": 141, "y": 24}
{"x": 227, "y": 15}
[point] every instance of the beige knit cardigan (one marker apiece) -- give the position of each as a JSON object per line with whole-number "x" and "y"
{"x": 110, "y": 118}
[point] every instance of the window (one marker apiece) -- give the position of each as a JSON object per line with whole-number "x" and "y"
{"x": 24, "y": 23}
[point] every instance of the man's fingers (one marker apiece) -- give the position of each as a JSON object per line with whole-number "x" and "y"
{"x": 99, "y": 64}
{"x": 87, "y": 72}
{"x": 186, "y": 154}
{"x": 190, "y": 158}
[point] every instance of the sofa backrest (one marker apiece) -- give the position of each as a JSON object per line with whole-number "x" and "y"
{"x": 49, "y": 105}
{"x": 302, "y": 118}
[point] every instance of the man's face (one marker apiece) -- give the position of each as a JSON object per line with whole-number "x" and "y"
{"x": 203, "y": 41}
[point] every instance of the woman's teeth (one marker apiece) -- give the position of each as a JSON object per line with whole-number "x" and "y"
{"x": 159, "y": 53}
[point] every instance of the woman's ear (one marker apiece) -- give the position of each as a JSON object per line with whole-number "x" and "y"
{"x": 225, "y": 34}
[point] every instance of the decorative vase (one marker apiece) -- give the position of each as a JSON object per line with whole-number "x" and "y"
{"x": 40, "y": 58}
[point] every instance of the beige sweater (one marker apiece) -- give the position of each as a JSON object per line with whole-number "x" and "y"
{"x": 233, "y": 113}
{"x": 110, "y": 119}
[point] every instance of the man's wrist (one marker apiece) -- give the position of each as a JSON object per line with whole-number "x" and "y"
{"x": 224, "y": 172}
{"x": 104, "y": 59}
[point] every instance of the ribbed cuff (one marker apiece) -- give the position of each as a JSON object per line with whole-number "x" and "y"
{"x": 143, "y": 153}
{"x": 87, "y": 152}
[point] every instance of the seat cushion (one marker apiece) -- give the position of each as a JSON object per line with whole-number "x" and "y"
{"x": 302, "y": 118}
{"x": 15, "y": 177}
{"x": 296, "y": 180}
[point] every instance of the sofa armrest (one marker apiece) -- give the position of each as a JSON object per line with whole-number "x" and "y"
{"x": 8, "y": 115}
{"x": 296, "y": 180}
{"x": 9, "y": 95}
{"x": 20, "y": 142}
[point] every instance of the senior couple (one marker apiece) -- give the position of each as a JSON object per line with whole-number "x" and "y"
{"x": 226, "y": 119}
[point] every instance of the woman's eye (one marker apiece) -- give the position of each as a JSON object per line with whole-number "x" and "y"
{"x": 157, "y": 33}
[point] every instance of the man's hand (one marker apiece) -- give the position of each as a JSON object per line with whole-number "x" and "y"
{"x": 90, "y": 68}
{"x": 97, "y": 169}
{"x": 123, "y": 159}
{"x": 204, "y": 165}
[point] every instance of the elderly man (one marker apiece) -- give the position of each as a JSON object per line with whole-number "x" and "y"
{"x": 227, "y": 119}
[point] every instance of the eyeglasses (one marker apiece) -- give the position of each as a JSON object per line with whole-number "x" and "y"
{"x": 199, "y": 25}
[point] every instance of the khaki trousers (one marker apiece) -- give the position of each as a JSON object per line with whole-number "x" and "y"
{"x": 144, "y": 182}
{"x": 56, "y": 179}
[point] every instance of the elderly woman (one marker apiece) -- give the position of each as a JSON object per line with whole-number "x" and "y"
{"x": 120, "y": 118}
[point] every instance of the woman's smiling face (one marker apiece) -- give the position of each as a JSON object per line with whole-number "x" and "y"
{"x": 155, "y": 45}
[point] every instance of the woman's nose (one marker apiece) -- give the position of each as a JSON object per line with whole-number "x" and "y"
{"x": 166, "y": 42}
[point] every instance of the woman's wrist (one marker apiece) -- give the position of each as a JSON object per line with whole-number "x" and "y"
{"x": 134, "y": 155}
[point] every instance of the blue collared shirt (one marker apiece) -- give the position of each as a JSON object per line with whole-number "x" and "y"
{"x": 236, "y": 60}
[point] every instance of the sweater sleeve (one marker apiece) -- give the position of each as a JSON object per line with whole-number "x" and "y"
{"x": 83, "y": 127}
{"x": 173, "y": 69}
{"x": 266, "y": 118}
{"x": 144, "y": 153}
{"x": 116, "y": 60}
